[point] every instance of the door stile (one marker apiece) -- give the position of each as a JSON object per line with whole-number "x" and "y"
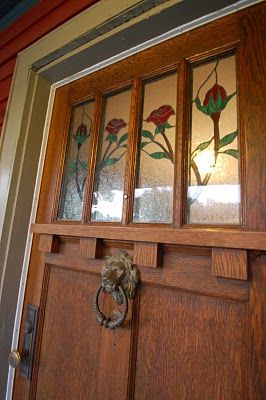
{"x": 241, "y": 137}
{"x": 252, "y": 59}
{"x": 257, "y": 333}
{"x": 92, "y": 159}
{"x": 132, "y": 152}
{"x": 181, "y": 148}
{"x": 37, "y": 353}
{"x": 133, "y": 345}
{"x": 62, "y": 107}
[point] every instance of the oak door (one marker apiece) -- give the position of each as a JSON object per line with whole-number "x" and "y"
{"x": 159, "y": 156}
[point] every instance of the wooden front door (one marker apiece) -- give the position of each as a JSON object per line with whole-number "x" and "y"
{"x": 161, "y": 155}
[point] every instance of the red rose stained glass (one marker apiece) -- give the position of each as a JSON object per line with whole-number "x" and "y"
{"x": 110, "y": 169}
{"x": 154, "y": 187}
{"x": 214, "y": 191}
{"x": 76, "y": 166}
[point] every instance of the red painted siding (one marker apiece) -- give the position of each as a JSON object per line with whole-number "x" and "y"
{"x": 35, "y": 23}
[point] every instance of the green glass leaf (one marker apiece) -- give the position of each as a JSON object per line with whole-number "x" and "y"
{"x": 203, "y": 109}
{"x": 227, "y": 139}
{"x": 226, "y": 100}
{"x": 202, "y": 146}
{"x": 80, "y": 139}
{"x": 159, "y": 129}
{"x": 110, "y": 161}
{"x": 123, "y": 138}
{"x": 72, "y": 165}
{"x": 147, "y": 134}
{"x": 168, "y": 126}
{"x": 198, "y": 102}
{"x": 232, "y": 152}
{"x": 143, "y": 144}
{"x": 200, "y": 107}
{"x": 111, "y": 138}
{"x": 83, "y": 164}
{"x": 123, "y": 145}
{"x": 159, "y": 155}
{"x": 211, "y": 106}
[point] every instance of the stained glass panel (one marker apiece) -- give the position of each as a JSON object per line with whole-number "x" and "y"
{"x": 76, "y": 165}
{"x": 110, "y": 169}
{"x": 214, "y": 189}
{"x": 154, "y": 185}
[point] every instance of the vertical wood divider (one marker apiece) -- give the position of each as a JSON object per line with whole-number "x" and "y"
{"x": 181, "y": 146}
{"x": 132, "y": 151}
{"x": 58, "y": 160}
{"x": 257, "y": 323}
{"x": 252, "y": 91}
{"x": 88, "y": 197}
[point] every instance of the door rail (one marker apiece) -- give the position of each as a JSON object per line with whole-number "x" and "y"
{"x": 203, "y": 237}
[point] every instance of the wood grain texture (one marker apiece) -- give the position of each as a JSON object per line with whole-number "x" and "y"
{"x": 190, "y": 347}
{"x": 130, "y": 171}
{"x": 230, "y": 263}
{"x": 252, "y": 89}
{"x": 182, "y": 127}
{"x": 54, "y": 158}
{"x": 257, "y": 389}
{"x": 190, "y": 335}
{"x": 180, "y": 271}
{"x": 147, "y": 254}
{"x": 212, "y": 237}
{"x": 71, "y": 365}
{"x": 90, "y": 248}
{"x": 49, "y": 244}
{"x": 92, "y": 158}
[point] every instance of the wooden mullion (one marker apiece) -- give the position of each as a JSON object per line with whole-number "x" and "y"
{"x": 92, "y": 159}
{"x": 132, "y": 149}
{"x": 181, "y": 146}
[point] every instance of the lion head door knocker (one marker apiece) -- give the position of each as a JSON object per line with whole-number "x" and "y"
{"x": 119, "y": 278}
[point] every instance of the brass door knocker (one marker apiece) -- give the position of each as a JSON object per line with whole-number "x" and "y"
{"x": 119, "y": 278}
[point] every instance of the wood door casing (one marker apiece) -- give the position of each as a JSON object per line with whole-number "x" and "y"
{"x": 193, "y": 331}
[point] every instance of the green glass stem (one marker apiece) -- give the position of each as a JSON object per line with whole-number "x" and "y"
{"x": 216, "y": 137}
{"x": 79, "y": 189}
{"x": 169, "y": 147}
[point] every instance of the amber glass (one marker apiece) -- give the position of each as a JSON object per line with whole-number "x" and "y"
{"x": 111, "y": 159}
{"x": 214, "y": 189}
{"x": 155, "y": 170}
{"x": 76, "y": 165}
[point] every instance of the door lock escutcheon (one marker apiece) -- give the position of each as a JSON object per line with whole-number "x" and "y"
{"x": 24, "y": 359}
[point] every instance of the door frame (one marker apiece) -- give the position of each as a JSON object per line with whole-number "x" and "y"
{"x": 25, "y": 96}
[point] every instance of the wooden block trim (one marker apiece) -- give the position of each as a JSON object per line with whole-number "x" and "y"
{"x": 147, "y": 254}
{"x": 90, "y": 247}
{"x": 49, "y": 243}
{"x": 230, "y": 263}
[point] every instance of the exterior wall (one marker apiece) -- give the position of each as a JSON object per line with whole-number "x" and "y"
{"x": 35, "y": 23}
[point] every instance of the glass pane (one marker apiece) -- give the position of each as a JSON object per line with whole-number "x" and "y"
{"x": 110, "y": 169}
{"x": 214, "y": 190}
{"x": 76, "y": 165}
{"x": 154, "y": 185}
